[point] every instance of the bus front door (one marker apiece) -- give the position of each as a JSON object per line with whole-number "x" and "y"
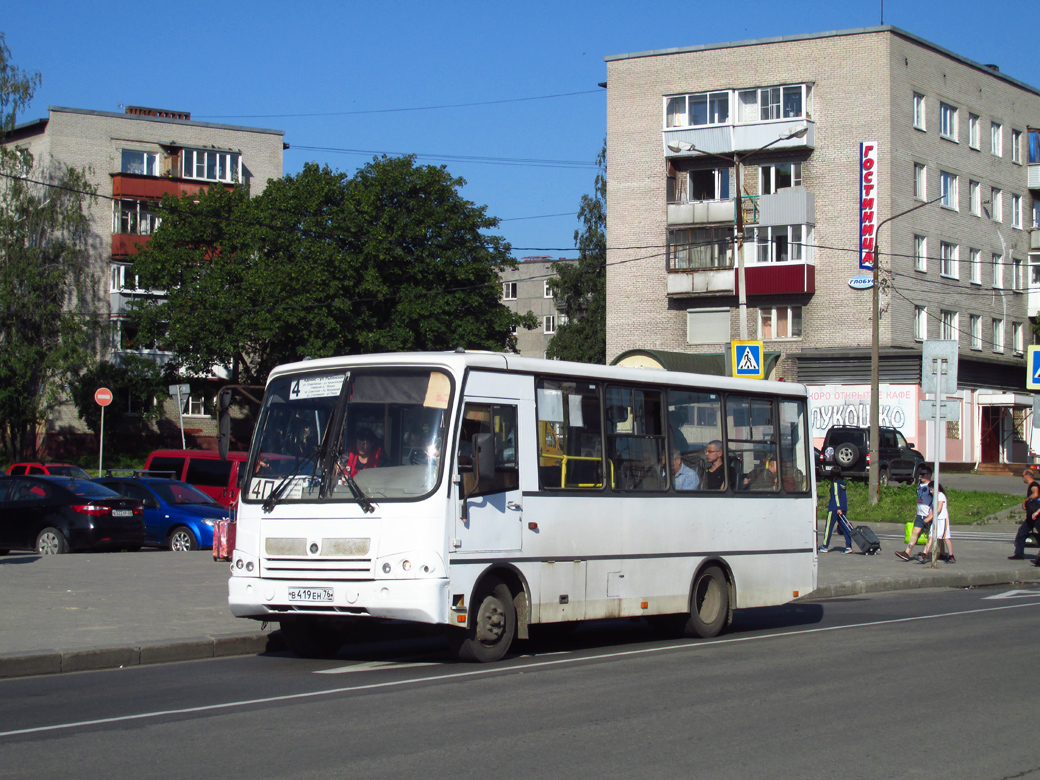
{"x": 490, "y": 506}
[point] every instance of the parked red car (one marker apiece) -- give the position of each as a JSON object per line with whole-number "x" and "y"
{"x": 48, "y": 469}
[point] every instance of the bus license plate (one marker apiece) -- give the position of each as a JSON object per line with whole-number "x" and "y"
{"x": 122, "y": 512}
{"x": 310, "y": 594}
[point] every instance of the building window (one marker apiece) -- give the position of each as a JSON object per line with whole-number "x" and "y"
{"x": 780, "y": 176}
{"x": 1016, "y": 146}
{"x": 710, "y": 184}
{"x": 998, "y": 335}
{"x": 1016, "y": 211}
{"x": 948, "y": 255}
{"x": 706, "y": 108}
{"x": 769, "y": 103}
{"x": 1018, "y": 335}
{"x": 919, "y": 112}
{"x": 920, "y": 323}
{"x": 974, "y": 133}
{"x": 777, "y": 243}
{"x": 1036, "y": 213}
{"x": 1034, "y": 271}
{"x": 975, "y": 321}
{"x": 1018, "y": 274}
{"x": 948, "y": 190}
{"x": 975, "y": 197}
{"x": 700, "y": 249}
{"x": 920, "y": 182}
{"x": 997, "y": 204}
{"x": 998, "y": 271}
{"x": 549, "y": 324}
{"x": 134, "y": 217}
{"x": 947, "y": 121}
{"x": 948, "y": 325}
{"x": 211, "y": 165}
{"x": 780, "y": 322}
{"x": 920, "y": 253}
{"x": 194, "y": 406}
{"x": 143, "y": 163}
{"x": 975, "y": 260}
{"x": 547, "y": 290}
{"x": 123, "y": 279}
{"x": 996, "y": 139}
{"x": 508, "y": 291}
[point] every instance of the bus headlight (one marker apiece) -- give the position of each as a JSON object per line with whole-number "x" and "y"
{"x": 412, "y": 565}
{"x": 244, "y": 565}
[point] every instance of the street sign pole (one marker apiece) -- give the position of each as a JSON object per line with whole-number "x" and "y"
{"x": 102, "y": 397}
{"x": 178, "y": 390}
{"x": 938, "y": 376}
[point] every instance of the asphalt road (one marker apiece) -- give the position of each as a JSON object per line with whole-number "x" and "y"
{"x": 911, "y": 684}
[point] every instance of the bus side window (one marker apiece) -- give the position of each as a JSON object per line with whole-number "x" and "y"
{"x": 497, "y": 424}
{"x": 695, "y": 432}
{"x": 570, "y": 441}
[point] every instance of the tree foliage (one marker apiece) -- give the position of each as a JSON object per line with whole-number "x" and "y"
{"x": 135, "y": 383}
{"x": 49, "y": 323}
{"x": 320, "y": 264}
{"x": 581, "y": 287}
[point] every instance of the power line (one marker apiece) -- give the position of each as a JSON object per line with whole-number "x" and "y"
{"x": 405, "y": 109}
{"x": 514, "y": 161}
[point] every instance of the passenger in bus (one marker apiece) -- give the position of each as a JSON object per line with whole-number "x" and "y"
{"x": 764, "y": 477}
{"x": 365, "y": 455}
{"x": 715, "y": 475}
{"x": 683, "y": 477}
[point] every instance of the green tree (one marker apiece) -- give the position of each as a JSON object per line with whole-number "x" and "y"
{"x": 134, "y": 383}
{"x": 581, "y": 287}
{"x": 49, "y": 322}
{"x": 320, "y": 264}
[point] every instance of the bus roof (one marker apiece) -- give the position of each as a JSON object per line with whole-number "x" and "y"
{"x": 457, "y": 362}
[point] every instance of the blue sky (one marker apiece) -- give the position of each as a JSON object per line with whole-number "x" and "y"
{"x": 514, "y": 84}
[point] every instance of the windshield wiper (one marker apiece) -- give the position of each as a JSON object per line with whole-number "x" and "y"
{"x": 357, "y": 492}
{"x": 272, "y": 498}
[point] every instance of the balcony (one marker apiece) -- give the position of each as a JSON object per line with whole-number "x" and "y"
{"x": 125, "y": 244}
{"x": 790, "y": 278}
{"x": 789, "y": 206}
{"x": 703, "y": 281}
{"x": 736, "y": 139}
{"x": 132, "y": 185}
{"x": 712, "y": 211}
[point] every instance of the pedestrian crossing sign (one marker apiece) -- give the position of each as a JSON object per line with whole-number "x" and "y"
{"x": 1033, "y": 367}
{"x": 747, "y": 359}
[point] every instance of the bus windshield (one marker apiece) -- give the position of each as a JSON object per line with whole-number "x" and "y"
{"x": 382, "y": 429}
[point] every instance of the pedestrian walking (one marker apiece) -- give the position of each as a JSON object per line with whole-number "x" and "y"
{"x": 837, "y": 507}
{"x": 1031, "y": 506}
{"x": 941, "y": 528}
{"x": 923, "y": 520}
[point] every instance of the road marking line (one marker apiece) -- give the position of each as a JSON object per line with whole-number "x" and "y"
{"x": 484, "y": 671}
{"x": 1014, "y": 594}
{"x": 376, "y": 665}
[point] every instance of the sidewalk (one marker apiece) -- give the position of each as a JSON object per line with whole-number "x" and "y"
{"x": 101, "y": 611}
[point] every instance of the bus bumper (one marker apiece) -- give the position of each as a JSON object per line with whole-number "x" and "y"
{"x": 421, "y": 601}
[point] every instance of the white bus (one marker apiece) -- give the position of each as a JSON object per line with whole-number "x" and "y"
{"x": 488, "y": 493}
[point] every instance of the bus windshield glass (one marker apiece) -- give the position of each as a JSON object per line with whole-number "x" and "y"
{"x": 382, "y": 429}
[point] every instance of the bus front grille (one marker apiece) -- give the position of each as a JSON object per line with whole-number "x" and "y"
{"x": 322, "y": 569}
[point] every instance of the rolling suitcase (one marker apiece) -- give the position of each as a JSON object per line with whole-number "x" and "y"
{"x": 223, "y": 539}
{"x": 866, "y": 540}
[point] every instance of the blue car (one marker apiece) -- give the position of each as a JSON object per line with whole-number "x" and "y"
{"x": 177, "y": 516}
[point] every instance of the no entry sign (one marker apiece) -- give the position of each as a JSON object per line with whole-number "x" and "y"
{"x": 103, "y": 396}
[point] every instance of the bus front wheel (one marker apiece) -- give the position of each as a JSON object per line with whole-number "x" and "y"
{"x": 709, "y": 606}
{"x": 492, "y": 628}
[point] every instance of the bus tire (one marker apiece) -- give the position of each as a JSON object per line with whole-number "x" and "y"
{"x": 492, "y": 627}
{"x": 311, "y": 638}
{"x": 709, "y": 604}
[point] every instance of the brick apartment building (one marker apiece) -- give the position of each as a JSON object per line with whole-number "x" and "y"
{"x": 134, "y": 158}
{"x": 526, "y": 289}
{"x": 966, "y": 267}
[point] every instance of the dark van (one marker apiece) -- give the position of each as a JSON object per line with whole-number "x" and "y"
{"x": 204, "y": 469}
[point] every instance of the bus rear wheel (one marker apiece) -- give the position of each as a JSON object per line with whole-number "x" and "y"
{"x": 492, "y": 628}
{"x": 709, "y": 606}
{"x": 311, "y": 638}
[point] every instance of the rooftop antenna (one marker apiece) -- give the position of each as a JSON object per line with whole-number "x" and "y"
{"x": 882, "y": 13}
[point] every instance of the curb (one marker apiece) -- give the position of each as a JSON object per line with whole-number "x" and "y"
{"x": 940, "y": 579}
{"x": 79, "y": 659}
